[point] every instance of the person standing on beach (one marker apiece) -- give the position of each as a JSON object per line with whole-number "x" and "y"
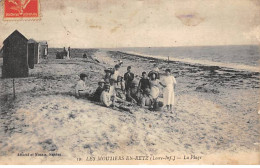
{"x": 169, "y": 83}
{"x": 116, "y": 75}
{"x": 115, "y": 72}
{"x": 154, "y": 82}
{"x": 155, "y": 91}
{"x": 68, "y": 53}
{"x": 84, "y": 55}
{"x": 121, "y": 82}
{"x": 154, "y": 70}
{"x": 128, "y": 77}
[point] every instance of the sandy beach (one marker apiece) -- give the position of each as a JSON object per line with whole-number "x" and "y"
{"x": 217, "y": 114}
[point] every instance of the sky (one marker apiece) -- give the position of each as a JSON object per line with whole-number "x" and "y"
{"x": 141, "y": 23}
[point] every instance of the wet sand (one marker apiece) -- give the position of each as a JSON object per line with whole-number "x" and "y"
{"x": 216, "y": 114}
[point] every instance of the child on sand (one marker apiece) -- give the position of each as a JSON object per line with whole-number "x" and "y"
{"x": 109, "y": 100}
{"x": 146, "y": 100}
{"x": 107, "y": 76}
{"x": 112, "y": 90}
{"x": 80, "y": 89}
{"x": 133, "y": 95}
{"x": 144, "y": 83}
{"x": 96, "y": 95}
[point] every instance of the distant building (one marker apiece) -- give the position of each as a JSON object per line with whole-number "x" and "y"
{"x": 33, "y": 53}
{"x": 15, "y": 58}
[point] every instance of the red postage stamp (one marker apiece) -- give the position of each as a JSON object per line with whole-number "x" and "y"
{"x": 21, "y": 9}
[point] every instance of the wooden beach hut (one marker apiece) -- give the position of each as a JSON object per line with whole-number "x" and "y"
{"x": 33, "y": 53}
{"x": 15, "y": 58}
{"x": 43, "y": 49}
{"x": 1, "y": 52}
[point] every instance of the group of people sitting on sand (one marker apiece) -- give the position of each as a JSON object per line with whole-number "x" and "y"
{"x": 122, "y": 91}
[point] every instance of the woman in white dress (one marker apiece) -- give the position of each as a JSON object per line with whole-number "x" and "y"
{"x": 169, "y": 83}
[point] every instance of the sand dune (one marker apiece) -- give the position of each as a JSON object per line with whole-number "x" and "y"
{"x": 46, "y": 117}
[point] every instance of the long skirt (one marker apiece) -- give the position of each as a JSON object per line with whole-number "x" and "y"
{"x": 155, "y": 91}
{"x": 168, "y": 96}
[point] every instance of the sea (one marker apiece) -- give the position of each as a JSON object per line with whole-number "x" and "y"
{"x": 244, "y": 57}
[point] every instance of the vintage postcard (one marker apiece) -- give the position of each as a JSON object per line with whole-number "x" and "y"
{"x": 129, "y": 82}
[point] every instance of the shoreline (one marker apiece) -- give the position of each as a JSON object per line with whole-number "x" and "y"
{"x": 232, "y": 66}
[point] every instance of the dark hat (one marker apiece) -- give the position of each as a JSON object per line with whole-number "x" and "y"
{"x": 82, "y": 75}
{"x": 153, "y": 72}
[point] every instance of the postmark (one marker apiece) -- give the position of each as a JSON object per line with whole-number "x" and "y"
{"x": 21, "y": 10}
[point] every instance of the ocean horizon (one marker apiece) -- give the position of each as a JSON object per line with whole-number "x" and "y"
{"x": 233, "y": 56}
{"x": 238, "y": 57}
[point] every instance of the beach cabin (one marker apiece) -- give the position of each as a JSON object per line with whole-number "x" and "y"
{"x": 43, "y": 50}
{"x": 33, "y": 55}
{"x": 1, "y": 52}
{"x": 15, "y": 58}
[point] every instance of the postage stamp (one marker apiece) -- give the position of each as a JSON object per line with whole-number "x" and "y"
{"x": 21, "y": 9}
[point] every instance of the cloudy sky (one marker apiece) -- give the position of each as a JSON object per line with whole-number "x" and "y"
{"x": 141, "y": 23}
